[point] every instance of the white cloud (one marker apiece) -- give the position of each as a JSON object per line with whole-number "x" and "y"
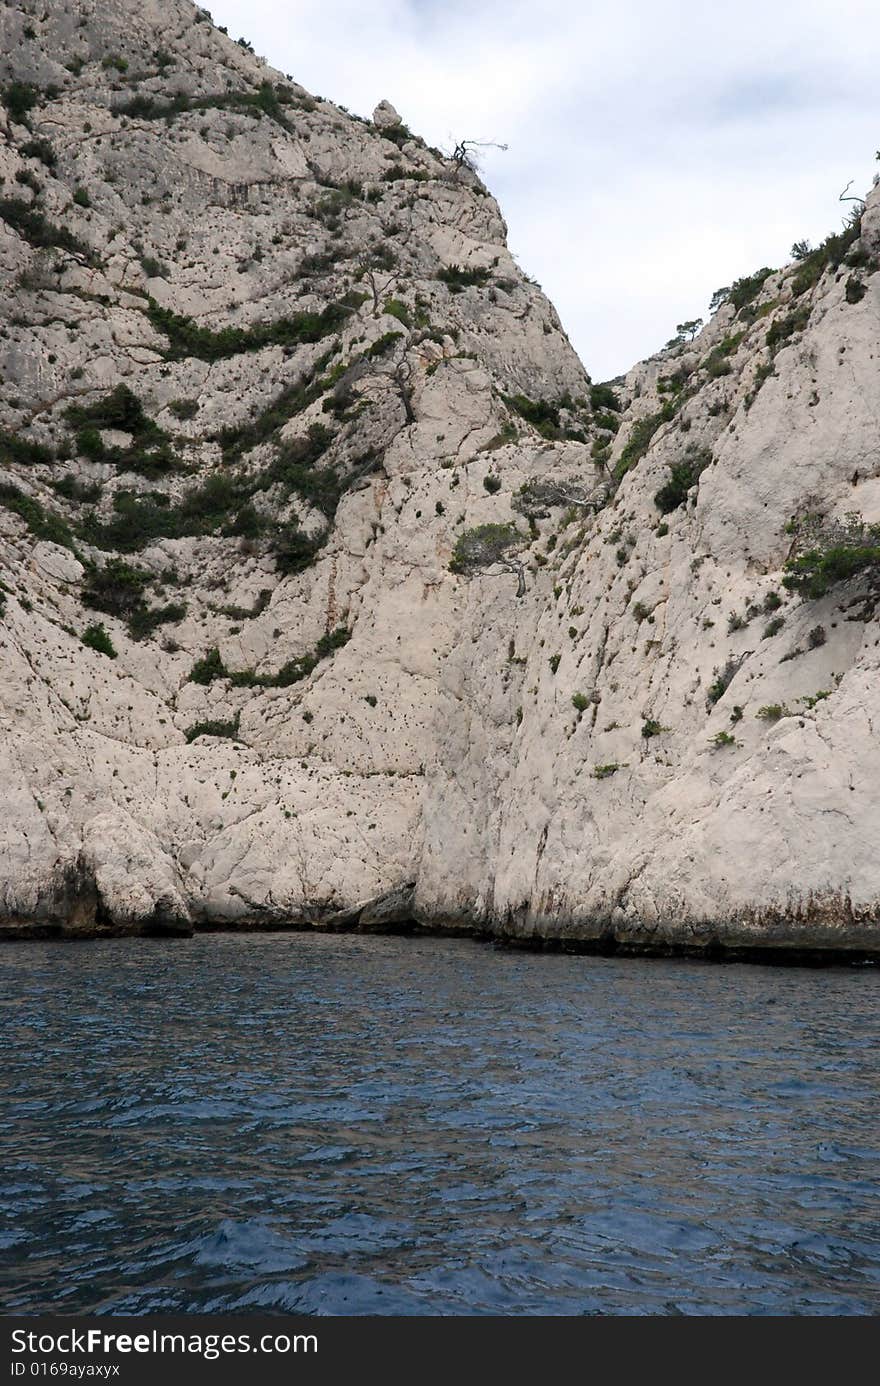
{"x": 656, "y": 151}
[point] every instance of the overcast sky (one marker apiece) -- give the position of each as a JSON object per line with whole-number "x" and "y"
{"x": 657, "y": 148}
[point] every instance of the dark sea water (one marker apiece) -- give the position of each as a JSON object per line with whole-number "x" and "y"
{"x": 403, "y": 1125}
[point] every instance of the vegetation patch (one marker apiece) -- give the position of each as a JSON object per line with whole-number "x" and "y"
{"x": 37, "y": 230}
{"x": 41, "y": 523}
{"x": 721, "y": 681}
{"x": 831, "y": 253}
{"x": 119, "y": 589}
{"x": 743, "y": 291}
{"x": 211, "y": 667}
{"x": 830, "y": 553}
{"x": 268, "y": 100}
{"x": 640, "y": 437}
{"x": 459, "y": 278}
{"x": 97, "y": 638}
{"x": 22, "y": 451}
{"x": 682, "y": 476}
{"x": 604, "y": 397}
{"x": 187, "y": 338}
{"x": 772, "y": 712}
{"x": 121, "y": 409}
{"x": 215, "y": 728}
{"x": 19, "y": 98}
{"x": 785, "y": 327}
{"x": 484, "y": 546}
{"x": 544, "y": 415}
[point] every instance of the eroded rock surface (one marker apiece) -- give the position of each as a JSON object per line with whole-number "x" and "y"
{"x": 267, "y": 368}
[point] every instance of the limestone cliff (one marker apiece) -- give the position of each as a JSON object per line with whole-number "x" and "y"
{"x": 334, "y": 592}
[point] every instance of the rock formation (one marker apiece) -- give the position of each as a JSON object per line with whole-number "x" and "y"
{"x": 335, "y": 594}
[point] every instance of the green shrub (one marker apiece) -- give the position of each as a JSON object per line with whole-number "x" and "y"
{"x": 297, "y": 669}
{"x": 33, "y": 227}
{"x": 810, "y": 702}
{"x": 772, "y": 712}
{"x": 541, "y": 413}
{"x": 150, "y": 452}
{"x": 395, "y": 172}
{"x": 22, "y": 451}
{"x": 784, "y": 328}
{"x": 610, "y": 423}
{"x": 831, "y": 253}
{"x": 544, "y": 415}
{"x": 773, "y": 628}
{"x": 184, "y": 409}
{"x": 121, "y": 409}
{"x": 290, "y": 401}
{"x": 81, "y": 197}
{"x": 382, "y": 345}
{"x": 41, "y": 523}
{"x": 97, "y": 638}
{"x": 459, "y": 278}
{"x": 725, "y": 348}
{"x": 762, "y": 373}
{"x": 208, "y": 668}
{"x": 214, "y": 728}
{"x": 146, "y": 619}
{"x": 482, "y": 546}
{"x": 651, "y": 728}
{"x": 682, "y": 476}
{"x": 117, "y": 588}
{"x": 721, "y": 681}
{"x": 580, "y": 702}
{"x": 855, "y": 290}
{"x": 19, "y": 98}
{"x": 640, "y": 436}
{"x": 722, "y": 739}
{"x": 492, "y": 483}
{"x": 603, "y": 772}
{"x": 72, "y": 489}
{"x": 604, "y": 397}
{"x": 40, "y": 149}
{"x": 153, "y": 268}
{"x": 744, "y": 290}
{"x": 293, "y": 549}
{"x": 187, "y": 338}
{"x": 835, "y": 553}
{"x": 397, "y": 134}
{"x": 29, "y": 180}
{"x": 395, "y": 308}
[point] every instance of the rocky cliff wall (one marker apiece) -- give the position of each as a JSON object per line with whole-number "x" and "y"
{"x": 335, "y": 593}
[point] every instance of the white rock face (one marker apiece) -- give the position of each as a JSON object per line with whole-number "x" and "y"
{"x": 242, "y": 685}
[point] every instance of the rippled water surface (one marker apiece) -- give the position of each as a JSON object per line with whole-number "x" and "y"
{"x": 398, "y": 1125}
